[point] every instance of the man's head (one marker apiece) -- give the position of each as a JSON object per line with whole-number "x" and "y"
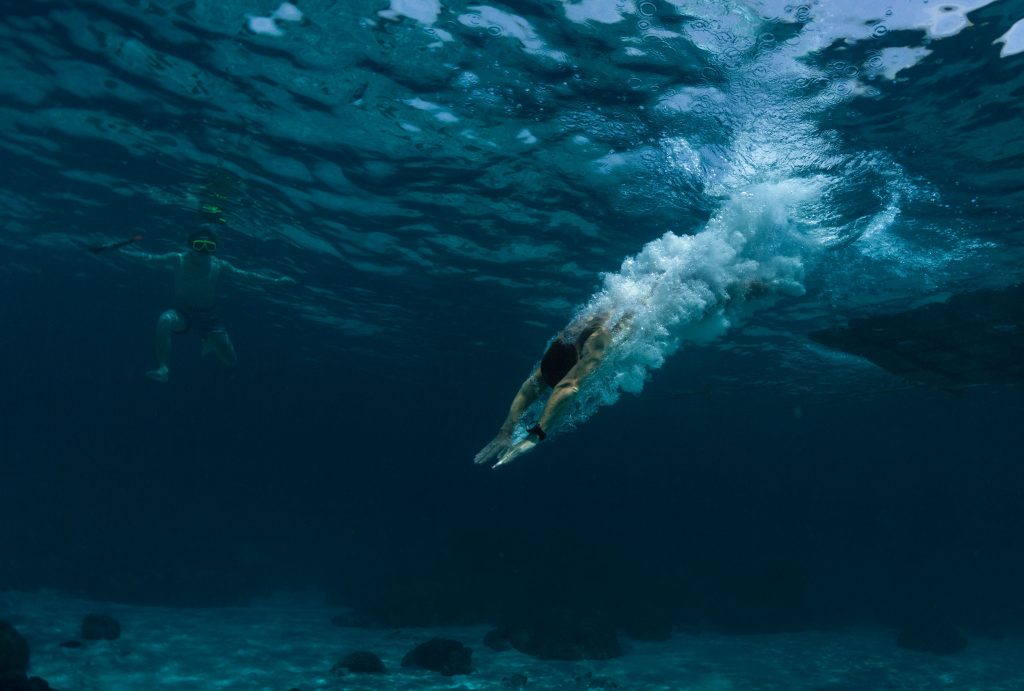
{"x": 556, "y": 363}
{"x": 203, "y": 240}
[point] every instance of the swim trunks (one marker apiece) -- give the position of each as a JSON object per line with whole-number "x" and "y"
{"x": 202, "y": 322}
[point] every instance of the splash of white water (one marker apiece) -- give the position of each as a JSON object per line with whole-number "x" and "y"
{"x": 693, "y": 288}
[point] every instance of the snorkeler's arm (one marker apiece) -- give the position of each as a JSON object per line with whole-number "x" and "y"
{"x": 528, "y": 393}
{"x": 590, "y": 358}
{"x": 247, "y": 275}
{"x": 167, "y": 260}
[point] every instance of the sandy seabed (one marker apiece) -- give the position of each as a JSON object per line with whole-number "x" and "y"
{"x": 283, "y": 645}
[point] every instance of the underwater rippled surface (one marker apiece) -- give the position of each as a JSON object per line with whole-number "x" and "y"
{"x": 500, "y": 158}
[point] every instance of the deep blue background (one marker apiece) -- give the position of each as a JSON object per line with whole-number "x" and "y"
{"x": 355, "y": 477}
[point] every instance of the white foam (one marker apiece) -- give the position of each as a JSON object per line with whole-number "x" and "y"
{"x": 600, "y": 11}
{"x": 424, "y": 11}
{"x": 526, "y": 136}
{"x": 501, "y": 23}
{"x": 1012, "y": 40}
{"x": 264, "y": 26}
{"x": 692, "y": 288}
{"x": 287, "y": 12}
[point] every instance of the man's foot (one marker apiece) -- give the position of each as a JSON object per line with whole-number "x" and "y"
{"x": 159, "y": 375}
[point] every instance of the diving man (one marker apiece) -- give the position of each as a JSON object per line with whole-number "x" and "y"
{"x": 196, "y": 274}
{"x": 577, "y": 353}
{"x": 572, "y": 356}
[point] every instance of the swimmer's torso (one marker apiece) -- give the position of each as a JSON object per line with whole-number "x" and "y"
{"x": 195, "y": 282}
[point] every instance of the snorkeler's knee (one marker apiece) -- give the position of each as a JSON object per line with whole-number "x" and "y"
{"x": 226, "y": 351}
{"x": 171, "y": 319}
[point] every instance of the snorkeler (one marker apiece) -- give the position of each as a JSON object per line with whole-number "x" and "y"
{"x": 572, "y": 356}
{"x": 196, "y": 273}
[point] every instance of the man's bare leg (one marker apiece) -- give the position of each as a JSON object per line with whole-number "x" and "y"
{"x": 219, "y": 343}
{"x": 169, "y": 323}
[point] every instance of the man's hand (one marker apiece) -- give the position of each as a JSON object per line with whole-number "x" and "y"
{"x": 497, "y": 446}
{"x": 511, "y": 454}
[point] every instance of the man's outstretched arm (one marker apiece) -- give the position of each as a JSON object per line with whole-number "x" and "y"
{"x": 167, "y": 260}
{"x": 529, "y": 392}
{"x": 565, "y": 391}
{"x": 259, "y": 276}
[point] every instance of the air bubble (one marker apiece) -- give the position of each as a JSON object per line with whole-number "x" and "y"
{"x": 494, "y": 30}
{"x": 647, "y": 9}
{"x": 880, "y": 31}
{"x": 836, "y": 66}
{"x": 643, "y": 25}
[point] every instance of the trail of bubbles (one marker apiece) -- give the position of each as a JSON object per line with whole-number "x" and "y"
{"x": 679, "y": 289}
{"x": 789, "y": 195}
{"x": 693, "y": 288}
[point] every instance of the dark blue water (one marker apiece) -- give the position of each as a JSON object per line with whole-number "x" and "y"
{"x": 450, "y": 184}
